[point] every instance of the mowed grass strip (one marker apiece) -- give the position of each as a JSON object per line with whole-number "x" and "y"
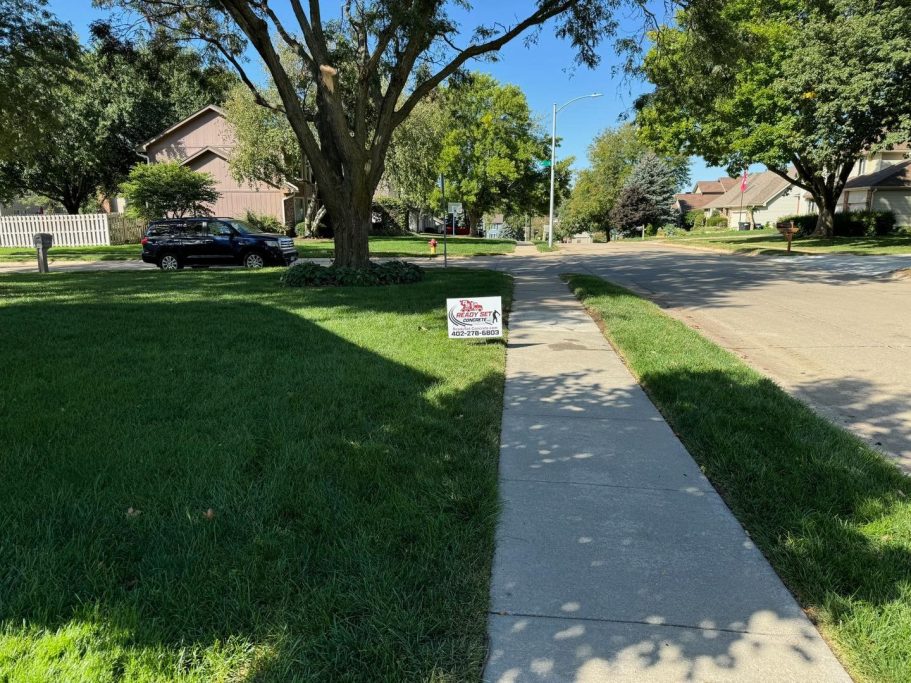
{"x": 116, "y": 252}
{"x": 384, "y": 247}
{"x": 413, "y": 245}
{"x": 772, "y": 242}
{"x": 832, "y": 516}
{"x": 207, "y": 477}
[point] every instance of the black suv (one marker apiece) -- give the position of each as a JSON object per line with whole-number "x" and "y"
{"x": 173, "y": 243}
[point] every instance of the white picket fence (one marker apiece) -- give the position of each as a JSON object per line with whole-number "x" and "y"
{"x": 81, "y": 230}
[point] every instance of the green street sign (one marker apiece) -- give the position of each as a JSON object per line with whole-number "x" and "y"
{"x": 543, "y": 163}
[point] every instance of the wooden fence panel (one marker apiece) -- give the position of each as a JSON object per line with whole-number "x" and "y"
{"x": 80, "y": 230}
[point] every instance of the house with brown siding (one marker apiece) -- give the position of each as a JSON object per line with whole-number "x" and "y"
{"x": 704, "y": 191}
{"x": 204, "y": 142}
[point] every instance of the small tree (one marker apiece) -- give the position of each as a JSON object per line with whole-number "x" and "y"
{"x": 168, "y": 190}
{"x": 803, "y": 83}
{"x": 647, "y": 196}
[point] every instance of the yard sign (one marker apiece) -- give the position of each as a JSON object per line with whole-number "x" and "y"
{"x": 475, "y": 317}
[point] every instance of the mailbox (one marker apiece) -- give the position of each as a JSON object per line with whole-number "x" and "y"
{"x": 43, "y": 241}
{"x": 788, "y": 230}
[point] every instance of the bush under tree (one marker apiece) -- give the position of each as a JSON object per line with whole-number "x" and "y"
{"x": 311, "y": 274}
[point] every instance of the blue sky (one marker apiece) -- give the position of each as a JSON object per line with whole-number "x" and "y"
{"x": 545, "y": 72}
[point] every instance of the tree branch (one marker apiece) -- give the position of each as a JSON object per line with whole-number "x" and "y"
{"x": 541, "y": 15}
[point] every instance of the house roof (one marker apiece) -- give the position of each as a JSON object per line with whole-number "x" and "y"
{"x": 890, "y": 177}
{"x": 214, "y": 150}
{"x": 715, "y": 187}
{"x": 691, "y": 200}
{"x": 219, "y": 152}
{"x": 761, "y": 189}
{"x": 209, "y": 107}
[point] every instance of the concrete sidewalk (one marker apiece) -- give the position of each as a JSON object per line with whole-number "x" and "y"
{"x": 616, "y": 560}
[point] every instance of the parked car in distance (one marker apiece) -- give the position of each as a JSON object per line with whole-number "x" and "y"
{"x": 198, "y": 242}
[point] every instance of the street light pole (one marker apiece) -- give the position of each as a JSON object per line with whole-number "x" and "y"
{"x": 553, "y": 160}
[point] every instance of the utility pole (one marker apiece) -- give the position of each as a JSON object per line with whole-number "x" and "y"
{"x": 553, "y": 160}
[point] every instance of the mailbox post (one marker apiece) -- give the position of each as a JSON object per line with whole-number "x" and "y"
{"x": 43, "y": 242}
{"x": 788, "y": 230}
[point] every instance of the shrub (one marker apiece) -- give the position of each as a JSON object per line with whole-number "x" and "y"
{"x": 264, "y": 223}
{"x": 849, "y": 223}
{"x": 670, "y": 230}
{"x": 168, "y": 190}
{"x": 314, "y": 275}
{"x": 717, "y": 221}
{"x": 806, "y": 223}
{"x": 694, "y": 219}
{"x": 864, "y": 223}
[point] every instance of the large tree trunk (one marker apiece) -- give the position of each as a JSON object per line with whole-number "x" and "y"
{"x": 473, "y": 221}
{"x": 825, "y": 223}
{"x": 351, "y": 221}
{"x": 71, "y": 204}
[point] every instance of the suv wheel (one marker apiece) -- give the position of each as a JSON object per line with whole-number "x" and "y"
{"x": 253, "y": 260}
{"x": 169, "y": 262}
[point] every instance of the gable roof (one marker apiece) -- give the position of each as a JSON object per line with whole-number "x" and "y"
{"x": 896, "y": 176}
{"x": 213, "y": 150}
{"x": 209, "y": 107}
{"x": 762, "y": 188}
{"x": 716, "y": 187}
{"x": 691, "y": 200}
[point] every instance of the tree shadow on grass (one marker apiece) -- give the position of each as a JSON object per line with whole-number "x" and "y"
{"x": 239, "y": 285}
{"x": 352, "y": 496}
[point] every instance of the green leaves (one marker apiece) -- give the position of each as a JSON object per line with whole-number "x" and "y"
{"x": 168, "y": 190}
{"x": 490, "y": 151}
{"x": 768, "y": 82}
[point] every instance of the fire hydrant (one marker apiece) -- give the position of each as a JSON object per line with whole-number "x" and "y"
{"x": 433, "y": 247}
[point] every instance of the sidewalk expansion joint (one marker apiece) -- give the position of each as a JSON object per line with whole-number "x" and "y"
{"x": 691, "y": 490}
{"x": 634, "y": 622}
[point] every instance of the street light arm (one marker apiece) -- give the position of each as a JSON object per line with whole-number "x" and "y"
{"x": 576, "y": 99}
{"x": 553, "y": 160}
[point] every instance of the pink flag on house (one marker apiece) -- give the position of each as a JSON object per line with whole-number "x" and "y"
{"x": 743, "y": 181}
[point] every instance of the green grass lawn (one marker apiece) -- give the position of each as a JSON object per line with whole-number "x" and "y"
{"x": 346, "y": 448}
{"x": 832, "y": 516}
{"x": 119, "y": 252}
{"x": 770, "y": 241}
{"x": 543, "y": 247}
{"x": 408, "y": 245}
{"x": 414, "y": 245}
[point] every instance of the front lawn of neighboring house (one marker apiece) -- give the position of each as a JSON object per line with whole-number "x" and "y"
{"x": 771, "y": 241}
{"x": 408, "y": 245}
{"x": 829, "y": 512}
{"x": 544, "y": 247}
{"x": 414, "y": 245}
{"x": 119, "y": 252}
{"x": 206, "y": 476}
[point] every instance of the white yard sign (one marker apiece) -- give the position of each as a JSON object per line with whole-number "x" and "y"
{"x": 475, "y": 317}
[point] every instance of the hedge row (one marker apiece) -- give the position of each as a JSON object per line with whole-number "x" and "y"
{"x": 850, "y": 223}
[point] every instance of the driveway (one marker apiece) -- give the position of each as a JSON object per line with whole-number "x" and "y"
{"x": 835, "y": 331}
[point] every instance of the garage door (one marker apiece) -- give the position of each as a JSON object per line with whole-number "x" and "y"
{"x": 898, "y": 203}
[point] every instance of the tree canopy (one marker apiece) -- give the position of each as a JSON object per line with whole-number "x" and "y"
{"x": 114, "y": 97}
{"x": 35, "y": 52}
{"x": 490, "y": 149}
{"x": 168, "y": 190}
{"x": 805, "y": 83}
{"x": 364, "y": 73}
{"x": 647, "y": 196}
{"x": 612, "y": 156}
